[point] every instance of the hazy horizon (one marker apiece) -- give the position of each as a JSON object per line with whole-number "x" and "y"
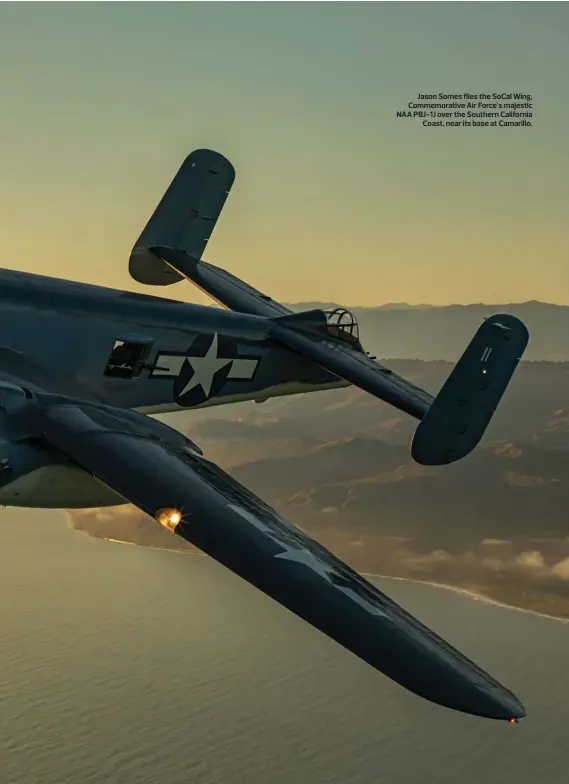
{"x": 440, "y": 305}
{"x": 335, "y": 198}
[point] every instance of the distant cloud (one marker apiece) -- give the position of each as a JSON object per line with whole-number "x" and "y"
{"x": 532, "y": 560}
{"x": 561, "y": 569}
{"x": 532, "y": 563}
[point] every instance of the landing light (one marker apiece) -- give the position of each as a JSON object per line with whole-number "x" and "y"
{"x": 514, "y": 721}
{"x": 169, "y": 518}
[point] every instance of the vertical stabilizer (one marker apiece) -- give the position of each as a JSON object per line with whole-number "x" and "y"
{"x": 185, "y": 217}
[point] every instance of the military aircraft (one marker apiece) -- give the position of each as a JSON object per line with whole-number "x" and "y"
{"x": 82, "y": 366}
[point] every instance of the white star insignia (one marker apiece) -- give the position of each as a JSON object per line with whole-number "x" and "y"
{"x": 205, "y": 369}
{"x": 306, "y": 558}
{"x": 302, "y": 555}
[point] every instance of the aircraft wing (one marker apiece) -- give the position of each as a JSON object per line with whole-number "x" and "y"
{"x": 159, "y": 473}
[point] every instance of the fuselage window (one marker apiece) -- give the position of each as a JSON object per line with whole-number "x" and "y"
{"x": 127, "y": 358}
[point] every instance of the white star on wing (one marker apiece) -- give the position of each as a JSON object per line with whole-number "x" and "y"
{"x": 260, "y": 525}
{"x": 300, "y": 555}
{"x": 205, "y": 369}
{"x": 307, "y": 558}
{"x": 371, "y": 608}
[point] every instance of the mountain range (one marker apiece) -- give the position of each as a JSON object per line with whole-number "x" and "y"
{"x": 337, "y": 464}
{"x": 431, "y": 332}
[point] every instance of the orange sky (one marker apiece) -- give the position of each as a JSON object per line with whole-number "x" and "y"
{"x": 335, "y": 198}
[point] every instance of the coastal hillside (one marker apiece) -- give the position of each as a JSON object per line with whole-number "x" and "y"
{"x": 337, "y": 464}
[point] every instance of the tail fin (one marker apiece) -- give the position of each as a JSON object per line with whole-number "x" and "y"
{"x": 185, "y": 217}
{"x": 461, "y": 412}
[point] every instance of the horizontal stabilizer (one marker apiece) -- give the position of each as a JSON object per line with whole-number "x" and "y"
{"x": 185, "y": 217}
{"x": 219, "y": 284}
{"x": 306, "y": 319}
{"x": 350, "y": 364}
{"x": 462, "y": 410}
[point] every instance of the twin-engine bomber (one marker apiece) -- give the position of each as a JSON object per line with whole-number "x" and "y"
{"x": 82, "y": 367}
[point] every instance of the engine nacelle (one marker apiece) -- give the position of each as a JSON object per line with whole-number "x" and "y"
{"x": 35, "y": 475}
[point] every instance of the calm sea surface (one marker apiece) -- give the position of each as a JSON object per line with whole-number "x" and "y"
{"x": 126, "y": 665}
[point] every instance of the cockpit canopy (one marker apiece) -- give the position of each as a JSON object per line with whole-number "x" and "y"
{"x": 342, "y": 325}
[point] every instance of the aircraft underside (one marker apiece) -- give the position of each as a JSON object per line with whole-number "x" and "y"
{"x": 58, "y": 487}
{"x": 36, "y": 476}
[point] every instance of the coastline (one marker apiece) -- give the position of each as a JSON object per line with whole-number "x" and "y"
{"x": 146, "y": 546}
{"x": 472, "y": 595}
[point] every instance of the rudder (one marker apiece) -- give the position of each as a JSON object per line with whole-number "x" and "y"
{"x": 185, "y": 217}
{"x": 461, "y": 412}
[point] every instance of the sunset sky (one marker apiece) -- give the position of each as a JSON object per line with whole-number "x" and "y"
{"x": 335, "y": 198}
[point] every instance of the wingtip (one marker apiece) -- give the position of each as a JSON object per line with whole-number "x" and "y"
{"x": 519, "y": 711}
{"x": 503, "y": 705}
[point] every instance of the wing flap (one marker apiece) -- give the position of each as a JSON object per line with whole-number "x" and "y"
{"x": 232, "y": 525}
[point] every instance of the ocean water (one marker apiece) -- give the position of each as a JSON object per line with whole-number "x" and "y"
{"x": 121, "y": 664}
